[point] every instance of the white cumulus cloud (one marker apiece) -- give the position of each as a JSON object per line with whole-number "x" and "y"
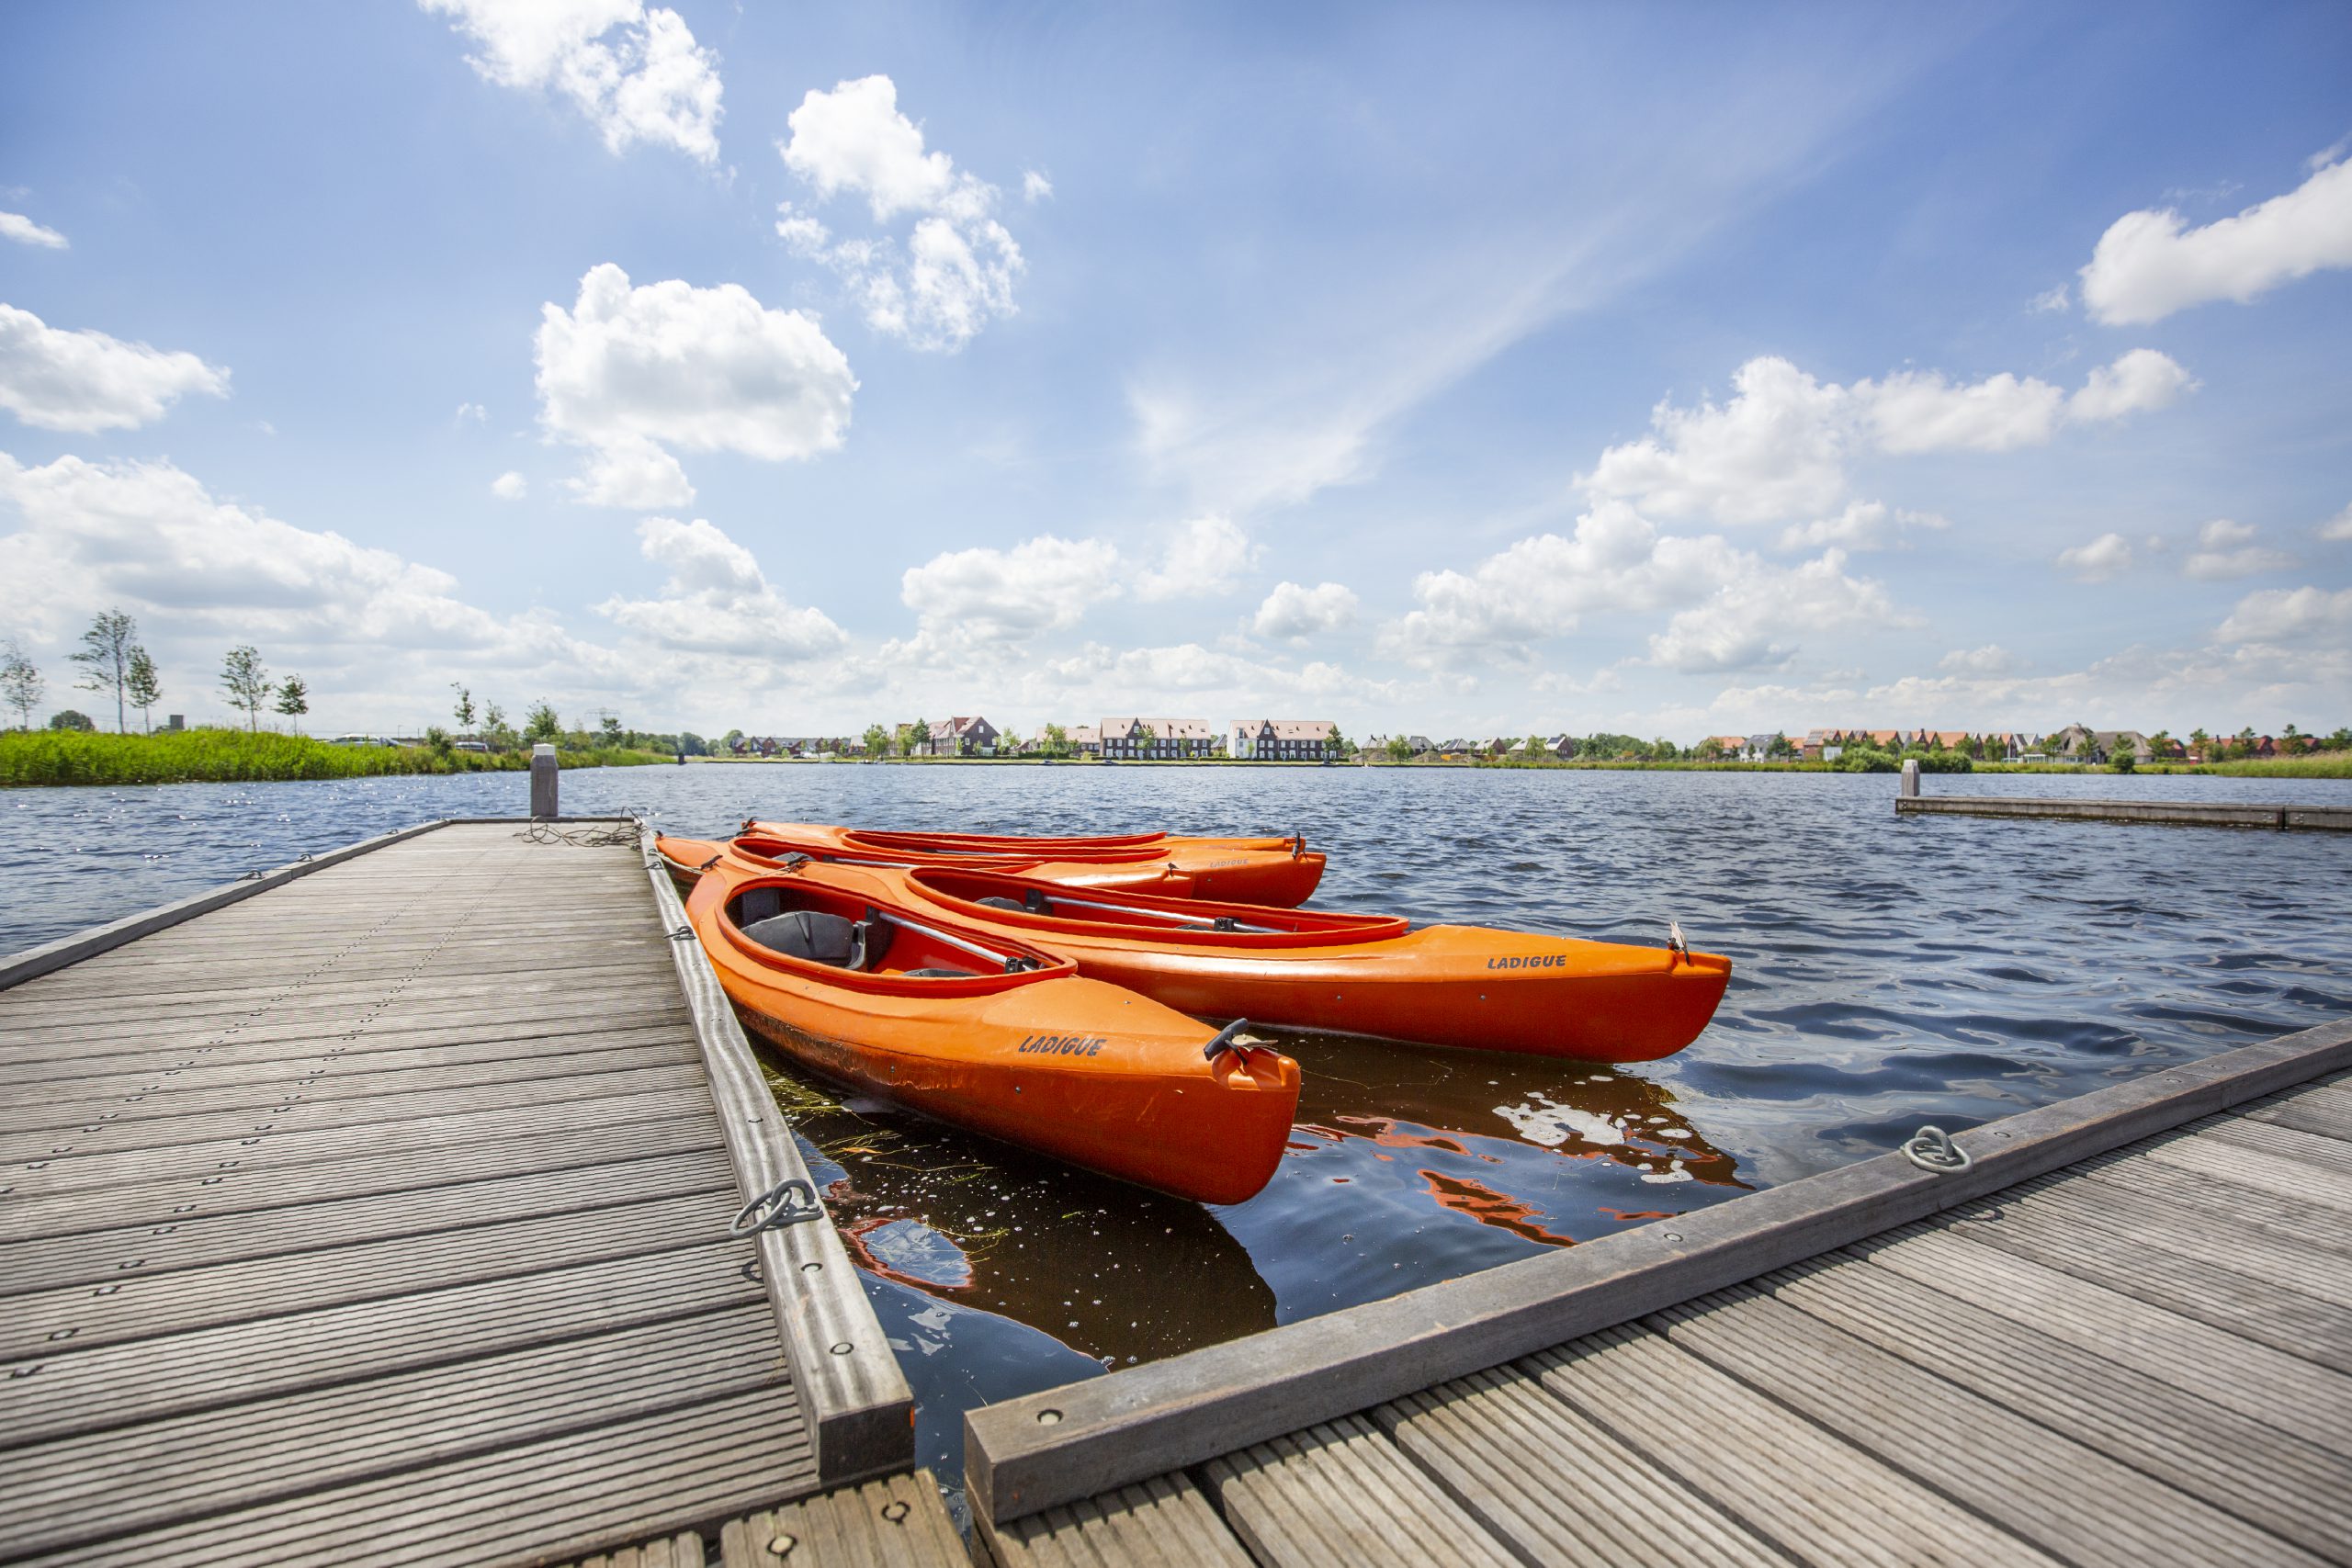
{"x": 1207, "y": 557}
{"x": 1294, "y": 613}
{"x": 1781, "y": 447}
{"x": 2150, "y": 263}
{"x": 1004, "y": 595}
{"x": 2228, "y": 551}
{"x": 1990, "y": 659}
{"x": 954, "y": 269}
{"x": 25, "y": 231}
{"x": 510, "y": 486}
{"x": 2338, "y": 527}
{"x": 717, "y": 600}
{"x": 1863, "y": 526}
{"x": 2103, "y": 557}
{"x": 631, "y": 372}
{"x": 1035, "y": 186}
{"x": 2137, "y": 382}
{"x": 1756, "y": 620}
{"x": 2290, "y": 616}
{"x": 58, "y": 379}
{"x": 637, "y": 74}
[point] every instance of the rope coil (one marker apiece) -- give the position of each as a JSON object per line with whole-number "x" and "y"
{"x": 1931, "y": 1149}
{"x": 791, "y": 1201}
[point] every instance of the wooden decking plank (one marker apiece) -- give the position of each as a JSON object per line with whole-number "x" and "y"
{"x": 560, "y": 1497}
{"x": 463, "y": 1149}
{"x": 271, "y": 1037}
{"x": 127, "y": 1479}
{"x": 685, "y": 1551}
{"x": 1812, "y": 1497}
{"x": 2058, "y": 1207}
{"x": 267, "y": 984}
{"x": 2212, "y": 1364}
{"x": 167, "y": 1103}
{"x": 2293, "y": 1178}
{"x": 2329, "y": 1118}
{"x": 1552, "y": 1485}
{"x": 443, "y": 1115}
{"x": 2036, "y": 1482}
{"x": 2253, "y": 1207}
{"x": 2274, "y": 1479}
{"x": 76, "y": 1317}
{"x": 118, "y": 1384}
{"x": 2320, "y": 1149}
{"x": 177, "y": 1072}
{"x": 1341, "y": 1492}
{"x": 2146, "y": 1266}
{"x": 140, "y": 1258}
{"x": 880, "y": 1524}
{"x": 1164, "y": 1522}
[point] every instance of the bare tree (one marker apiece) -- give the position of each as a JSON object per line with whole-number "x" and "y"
{"x": 144, "y": 688}
{"x": 20, "y": 682}
{"x": 106, "y": 659}
{"x": 247, "y": 681}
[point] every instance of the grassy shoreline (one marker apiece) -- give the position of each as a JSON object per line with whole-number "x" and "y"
{"x": 53, "y": 756}
{"x": 2324, "y": 765}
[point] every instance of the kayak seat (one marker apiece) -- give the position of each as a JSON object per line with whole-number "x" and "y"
{"x": 995, "y": 902}
{"x": 939, "y": 974}
{"x": 814, "y": 935}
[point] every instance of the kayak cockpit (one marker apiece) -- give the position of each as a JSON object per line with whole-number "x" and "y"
{"x": 1002, "y": 899}
{"x": 802, "y": 925}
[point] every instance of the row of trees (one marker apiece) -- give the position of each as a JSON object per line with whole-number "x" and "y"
{"x": 114, "y": 662}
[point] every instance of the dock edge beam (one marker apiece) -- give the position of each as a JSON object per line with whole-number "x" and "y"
{"x": 858, "y": 1408}
{"x": 1062, "y": 1445}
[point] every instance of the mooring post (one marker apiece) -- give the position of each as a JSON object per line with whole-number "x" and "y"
{"x": 543, "y": 771}
{"x": 1910, "y": 779}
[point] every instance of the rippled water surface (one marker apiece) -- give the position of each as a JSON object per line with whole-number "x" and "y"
{"x": 1886, "y": 972}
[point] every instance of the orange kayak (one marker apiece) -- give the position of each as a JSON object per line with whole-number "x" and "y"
{"x": 1280, "y": 873}
{"x": 1469, "y": 986}
{"x": 996, "y": 1035}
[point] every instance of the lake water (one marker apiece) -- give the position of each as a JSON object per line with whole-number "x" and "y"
{"x": 1887, "y": 972}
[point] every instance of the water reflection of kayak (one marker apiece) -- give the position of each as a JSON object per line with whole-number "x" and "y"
{"x": 997, "y": 1036}
{"x": 1470, "y": 987}
{"x": 1111, "y": 1271}
{"x": 1373, "y": 1090}
{"x": 1282, "y": 873}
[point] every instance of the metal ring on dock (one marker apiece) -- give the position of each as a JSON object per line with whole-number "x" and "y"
{"x": 1931, "y": 1148}
{"x": 788, "y": 1202}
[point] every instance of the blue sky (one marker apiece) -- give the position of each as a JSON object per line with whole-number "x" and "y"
{"x": 1464, "y": 370}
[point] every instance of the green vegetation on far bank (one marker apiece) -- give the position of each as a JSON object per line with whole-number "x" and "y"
{"x": 237, "y": 756}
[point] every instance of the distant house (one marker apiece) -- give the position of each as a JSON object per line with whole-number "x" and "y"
{"x": 1157, "y": 739}
{"x": 1282, "y": 739}
{"x": 958, "y": 738}
{"x": 1756, "y": 748}
{"x": 2106, "y": 745}
{"x": 1085, "y": 739}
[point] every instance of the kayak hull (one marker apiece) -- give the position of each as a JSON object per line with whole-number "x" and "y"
{"x": 1069, "y": 1067}
{"x": 1277, "y": 873}
{"x": 1468, "y": 987}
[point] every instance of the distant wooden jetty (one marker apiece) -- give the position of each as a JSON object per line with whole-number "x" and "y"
{"x": 1910, "y": 802}
{"x": 378, "y": 1209}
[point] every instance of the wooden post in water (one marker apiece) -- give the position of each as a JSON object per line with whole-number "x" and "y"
{"x": 543, "y": 773}
{"x": 1910, "y": 780}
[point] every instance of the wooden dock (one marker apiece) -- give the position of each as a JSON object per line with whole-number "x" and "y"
{"x": 377, "y": 1209}
{"x": 2122, "y": 1336}
{"x": 2168, "y": 813}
